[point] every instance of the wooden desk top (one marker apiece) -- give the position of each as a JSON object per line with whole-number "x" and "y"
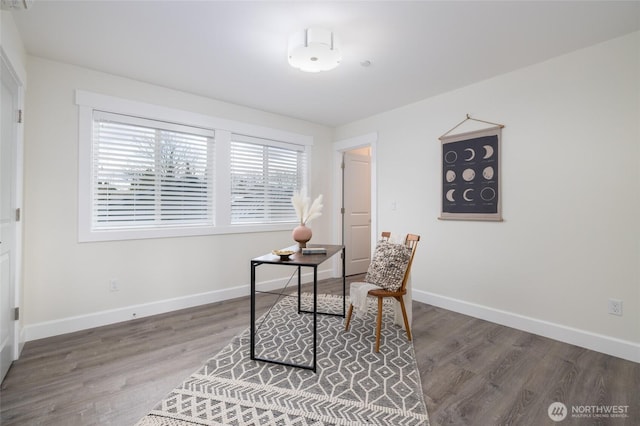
{"x": 298, "y": 259}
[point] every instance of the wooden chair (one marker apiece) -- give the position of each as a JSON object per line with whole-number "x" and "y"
{"x": 410, "y": 241}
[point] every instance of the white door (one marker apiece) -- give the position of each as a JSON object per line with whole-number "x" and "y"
{"x": 357, "y": 212}
{"x": 8, "y": 135}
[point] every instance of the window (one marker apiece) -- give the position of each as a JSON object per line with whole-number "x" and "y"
{"x": 150, "y": 173}
{"x": 147, "y": 171}
{"x": 264, "y": 176}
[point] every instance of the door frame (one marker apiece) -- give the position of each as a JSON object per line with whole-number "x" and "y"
{"x": 18, "y": 158}
{"x": 339, "y": 148}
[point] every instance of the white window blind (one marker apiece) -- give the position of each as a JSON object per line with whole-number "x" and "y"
{"x": 264, "y": 176}
{"x": 149, "y": 173}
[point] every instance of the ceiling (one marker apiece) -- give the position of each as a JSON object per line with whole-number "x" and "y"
{"x": 237, "y": 51}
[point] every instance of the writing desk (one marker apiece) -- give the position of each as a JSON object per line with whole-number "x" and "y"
{"x": 298, "y": 260}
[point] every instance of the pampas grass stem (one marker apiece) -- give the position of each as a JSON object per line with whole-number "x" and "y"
{"x": 305, "y": 210}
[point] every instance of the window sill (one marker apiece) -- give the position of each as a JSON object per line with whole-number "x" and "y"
{"x": 178, "y": 232}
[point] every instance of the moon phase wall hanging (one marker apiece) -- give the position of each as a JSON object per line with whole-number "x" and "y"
{"x": 471, "y": 175}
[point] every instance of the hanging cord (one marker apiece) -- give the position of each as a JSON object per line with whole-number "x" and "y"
{"x": 471, "y": 118}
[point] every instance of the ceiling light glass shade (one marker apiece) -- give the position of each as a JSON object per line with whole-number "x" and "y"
{"x": 314, "y": 50}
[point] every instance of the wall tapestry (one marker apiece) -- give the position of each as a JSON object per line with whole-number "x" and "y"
{"x": 471, "y": 174}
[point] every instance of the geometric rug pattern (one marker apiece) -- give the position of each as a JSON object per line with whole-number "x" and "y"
{"x": 352, "y": 385}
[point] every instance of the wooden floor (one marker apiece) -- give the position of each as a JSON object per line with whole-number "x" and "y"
{"x": 473, "y": 372}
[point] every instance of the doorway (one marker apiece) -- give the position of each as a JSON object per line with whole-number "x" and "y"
{"x": 356, "y": 209}
{"x": 355, "y": 182}
{"x": 10, "y": 117}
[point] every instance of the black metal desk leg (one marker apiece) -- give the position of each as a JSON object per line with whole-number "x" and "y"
{"x": 315, "y": 316}
{"x": 298, "y": 260}
{"x": 344, "y": 283}
{"x": 253, "y": 311}
{"x": 299, "y": 288}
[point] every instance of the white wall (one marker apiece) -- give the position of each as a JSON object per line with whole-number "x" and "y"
{"x": 66, "y": 283}
{"x": 571, "y": 192}
{"x": 570, "y": 196}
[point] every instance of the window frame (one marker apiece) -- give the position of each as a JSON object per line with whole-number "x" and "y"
{"x": 272, "y": 158}
{"x": 223, "y": 129}
{"x": 123, "y": 146}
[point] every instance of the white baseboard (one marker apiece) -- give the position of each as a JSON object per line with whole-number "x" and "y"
{"x": 112, "y": 316}
{"x": 597, "y": 342}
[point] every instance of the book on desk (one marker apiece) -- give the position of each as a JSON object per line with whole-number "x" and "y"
{"x": 313, "y": 250}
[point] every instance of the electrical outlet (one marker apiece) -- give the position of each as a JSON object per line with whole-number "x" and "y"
{"x": 615, "y": 307}
{"x": 114, "y": 285}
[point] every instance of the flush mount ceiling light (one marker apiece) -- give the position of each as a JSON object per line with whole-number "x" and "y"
{"x": 314, "y": 50}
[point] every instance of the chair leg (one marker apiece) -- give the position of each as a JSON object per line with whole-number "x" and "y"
{"x": 379, "y": 325}
{"x": 404, "y": 316}
{"x": 346, "y": 327}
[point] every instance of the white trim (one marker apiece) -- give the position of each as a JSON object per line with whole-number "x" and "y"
{"x": 88, "y": 102}
{"x": 222, "y": 190}
{"x": 23, "y": 339}
{"x": 339, "y": 147}
{"x": 172, "y": 115}
{"x": 19, "y": 75}
{"x": 85, "y": 122}
{"x": 168, "y": 232}
{"x": 605, "y": 344}
{"x": 356, "y": 142}
{"x": 83, "y": 322}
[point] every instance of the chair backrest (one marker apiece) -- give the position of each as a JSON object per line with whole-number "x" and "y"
{"x": 411, "y": 241}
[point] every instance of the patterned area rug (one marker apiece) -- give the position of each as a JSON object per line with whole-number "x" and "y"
{"x": 352, "y": 386}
